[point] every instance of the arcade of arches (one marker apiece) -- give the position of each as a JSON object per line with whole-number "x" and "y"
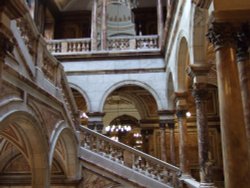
{"x": 124, "y": 93}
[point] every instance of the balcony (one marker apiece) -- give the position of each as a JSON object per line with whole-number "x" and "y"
{"x": 81, "y": 46}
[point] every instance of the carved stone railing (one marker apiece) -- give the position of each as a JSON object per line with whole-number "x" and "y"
{"x": 129, "y": 157}
{"x": 69, "y": 45}
{"x": 133, "y": 43}
{"x": 79, "y": 46}
{"x": 28, "y": 32}
{"x": 44, "y": 62}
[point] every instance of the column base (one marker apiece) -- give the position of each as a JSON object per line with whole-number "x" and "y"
{"x": 207, "y": 185}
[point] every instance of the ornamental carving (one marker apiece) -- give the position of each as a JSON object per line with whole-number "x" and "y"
{"x": 242, "y": 39}
{"x": 47, "y": 115}
{"x": 220, "y": 34}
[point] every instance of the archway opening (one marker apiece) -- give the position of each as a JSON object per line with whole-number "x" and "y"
{"x": 13, "y": 164}
{"x": 132, "y": 106}
{"x": 81, "y": 105}
{"x": 30, "y": 148}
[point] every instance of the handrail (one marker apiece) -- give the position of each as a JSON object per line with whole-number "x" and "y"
{"x": 129, "y": 157}
{"x": 45, "y": 62}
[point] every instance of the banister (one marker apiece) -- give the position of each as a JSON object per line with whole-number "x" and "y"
{"x": 128, "y": 148}
{"x": 130, "y": 157}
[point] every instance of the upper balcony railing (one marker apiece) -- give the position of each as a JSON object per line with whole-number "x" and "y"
{"x": 114, "y": 44}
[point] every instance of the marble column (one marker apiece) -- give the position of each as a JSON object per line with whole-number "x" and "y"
{"x": 159, "y": 21}
{"x": 181, "y": 110}
{"x": 163, "y": 140}
{"x": 243, "y": 63}
{"x": 233, "y": 133}
{"x": 104, "y": 25}
{"x": 94, "y": 26}
{"x": 171, "y": 126}
{"x": 199, "y": 73}
{"x": 200, "y": 96}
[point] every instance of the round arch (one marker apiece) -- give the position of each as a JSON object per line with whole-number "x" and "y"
{"x": 130, "y": 82}
{"x": 65, "y": 134}
{"x": 83, "y": 93}
{"x": 33, "y": 144}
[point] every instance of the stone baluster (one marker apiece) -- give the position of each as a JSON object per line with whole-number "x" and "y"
{"x": 94, "y": 26}
{"x": 243, "y": 63}
{"x": 199, "y": 74}
{"x": 181, "y": 110}
{"x": 104, "y": 25}
{"x": 159, "y": 21}
{"x": 233, "y": 131}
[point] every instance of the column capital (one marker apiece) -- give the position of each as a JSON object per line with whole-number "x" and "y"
{"x": 181, "y": 113}
{"x": 162, "y": 124}
{"x": 242, "y": 39}
{"x": 181, "y": 101}
{"x": 95, "y": 114}
{"x": 200, "y": 92}
{"x": 171, "y": 123}
{"x": 199, "y": 72}
{"x": 220, "y": 34}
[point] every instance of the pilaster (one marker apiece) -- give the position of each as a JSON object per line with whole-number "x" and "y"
{"x": 104, "y": 25}
{"x": 94, "y": 26}
{"x": 159, "y": 21}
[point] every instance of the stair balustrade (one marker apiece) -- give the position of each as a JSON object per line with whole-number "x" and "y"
{"x": 130, "y": 157}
